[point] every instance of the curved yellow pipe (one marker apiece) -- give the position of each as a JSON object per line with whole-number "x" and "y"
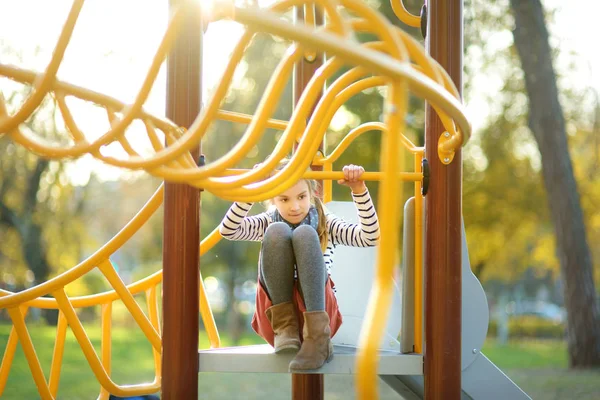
{"x": 403, "y": 14}
{"x": 129, "y": 113}
{"x": 91, "y": 262}
{"x": 8, "y": 124}
{"x": 377, "y": 62}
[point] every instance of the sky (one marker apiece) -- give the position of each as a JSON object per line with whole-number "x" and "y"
{"x": 108, "y": 56}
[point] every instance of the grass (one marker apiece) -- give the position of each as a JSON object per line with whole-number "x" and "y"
{"x": 539, "y": 367}
{"x": 527, "y": 354}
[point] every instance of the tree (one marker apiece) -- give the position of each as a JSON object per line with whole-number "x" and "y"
{"x": 547, "y": 123}
{"x": 38, "y": 206}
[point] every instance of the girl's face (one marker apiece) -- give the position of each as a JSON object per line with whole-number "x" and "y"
{"x": 294, "y": 203}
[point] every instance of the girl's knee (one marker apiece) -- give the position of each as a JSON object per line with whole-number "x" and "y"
{"x": 278, "y": 231}
{"x": 304, "y": 233}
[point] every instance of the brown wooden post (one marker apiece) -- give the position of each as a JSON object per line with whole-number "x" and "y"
{"x": 182, "y": 225}
{"x": 443, "y": 226}
{"x": 307, "y": 386}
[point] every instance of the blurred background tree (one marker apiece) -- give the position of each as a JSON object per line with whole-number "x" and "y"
{"x": 40, "y": 210}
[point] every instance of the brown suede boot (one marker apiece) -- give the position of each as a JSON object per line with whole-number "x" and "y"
{"x": 316, "y": 349}
{"x": 284, "y": 322}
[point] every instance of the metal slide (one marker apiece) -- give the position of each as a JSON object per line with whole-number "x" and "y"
{"x": 481, "y": 379}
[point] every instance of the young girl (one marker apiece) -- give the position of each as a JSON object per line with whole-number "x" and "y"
{"x": 298, "y": 240}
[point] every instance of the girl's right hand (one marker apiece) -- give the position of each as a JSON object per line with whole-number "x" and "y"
{"x": 352, "y": 174}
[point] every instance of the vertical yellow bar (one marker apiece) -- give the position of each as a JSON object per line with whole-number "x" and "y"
{"x": 208, "y": 318}
{"x": 7, "y": 360}
{"x": 153, "y": 314}
{"x": 134, "y": 308}
{"x": 106, "y": 344}
{"x": 26, "y": 344}
{"x": 380, "y": 299}
{"x": 57, "y": 356}
{"x": 327, "y": 184}
{"x": 9, "y": 354}
{"x": 418, "y": 258}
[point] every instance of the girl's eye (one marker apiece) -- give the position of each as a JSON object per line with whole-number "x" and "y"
{"x": 283, "y": 200}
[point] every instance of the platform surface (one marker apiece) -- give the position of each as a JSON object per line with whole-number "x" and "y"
{"x": 261, "y": 358}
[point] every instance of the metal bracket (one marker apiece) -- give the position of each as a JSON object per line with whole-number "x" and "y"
{"x": 426, "y": 174}
{"x": 445, "y": 157}
{"x": 201, "y": 163}
{"x": 424, "y": 21}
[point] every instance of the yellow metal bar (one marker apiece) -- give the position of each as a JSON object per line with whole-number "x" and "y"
{"x": 9, "y": 353}
{"x": 304, "y": 107}
{"x": 381, "y": 293}
{"x": 99, "y": 256}
{"x": 18, "y": 320}
{"x": 91, "y": 300}
{"x": 106, "y": 344}
{"x": 403, "y": 14}
{"x": 29, "y": 77}
{"x": 207, "y": 317}
{"x": 153, "y": 314}
{"x": 148, "y": 164}
{"x": 7, "y": 359}
{"x": 92, "y": 357}
{"x": 8, "y": 124}
{"x": 232, "y": 116}
{"x": 134, "y": 308}
{"x": 418, "y": 283}
{"x": 186, "y": 161}
{"x": 57, "y": 356}
{"x": 255, "y": 130}
{"x": 327, "y": 183}
{"x": 309, "y": 142}
{"x": 325, "y": 106}
{"x": 79, "y": 137}
{"x": 283, "y": 146}
{"x": 293, "y": 171}
{"x": 336, "y": 175}
{"x": 379, "y": 63}
{"x": 131, "y": 112}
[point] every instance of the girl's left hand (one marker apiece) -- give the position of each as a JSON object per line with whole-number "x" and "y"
{"x": 351, "y": 179}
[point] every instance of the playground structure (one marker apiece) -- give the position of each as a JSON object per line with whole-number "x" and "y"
{"x": 394, "y": 60}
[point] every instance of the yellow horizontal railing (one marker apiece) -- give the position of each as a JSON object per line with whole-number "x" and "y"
{"x": 393, "y": 61}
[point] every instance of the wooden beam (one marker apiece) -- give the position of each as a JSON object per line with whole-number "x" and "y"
{"x": 307, "y": 386}
{"x": 181, "y": 239}
{"x": 443, "y": 225}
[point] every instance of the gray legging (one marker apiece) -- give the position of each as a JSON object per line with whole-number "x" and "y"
{"x": 284, "y": 248}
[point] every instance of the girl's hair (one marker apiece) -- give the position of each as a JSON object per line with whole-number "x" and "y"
{"x": 317, "y": 202}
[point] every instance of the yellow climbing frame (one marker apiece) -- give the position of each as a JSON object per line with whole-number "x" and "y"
{"x": 394, "y": 61}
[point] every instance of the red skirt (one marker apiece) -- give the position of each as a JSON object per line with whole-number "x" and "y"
{"x": 262, "y": 326}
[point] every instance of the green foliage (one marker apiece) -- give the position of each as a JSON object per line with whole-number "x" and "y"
{"x": 530, "y": 327}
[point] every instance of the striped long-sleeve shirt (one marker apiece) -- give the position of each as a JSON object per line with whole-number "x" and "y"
{"x": 237, "y": 225}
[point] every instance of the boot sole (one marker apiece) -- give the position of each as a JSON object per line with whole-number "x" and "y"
{"x": 310, "y": 371}
{"x": 287, "y": 349}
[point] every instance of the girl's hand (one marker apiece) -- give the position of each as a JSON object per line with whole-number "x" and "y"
{"x": 351, "y": 179}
